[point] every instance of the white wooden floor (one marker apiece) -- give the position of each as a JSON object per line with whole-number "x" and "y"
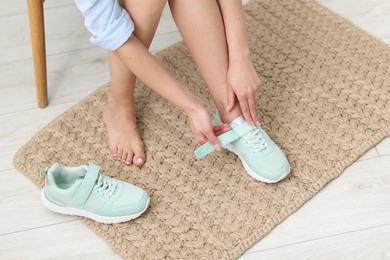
{"x": 349, "y": 219}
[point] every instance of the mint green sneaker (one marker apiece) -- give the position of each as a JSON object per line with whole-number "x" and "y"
{"x": 84, "y": 191}
{"x": 260, "y": 156}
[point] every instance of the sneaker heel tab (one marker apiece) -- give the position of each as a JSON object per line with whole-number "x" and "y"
{"x": 45, "y": 171}
{"x": 47, "y": 179}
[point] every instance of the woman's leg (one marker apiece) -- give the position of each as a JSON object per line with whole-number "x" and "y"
{"x": 119, "y": 114}
{"x": 201, "y": 26}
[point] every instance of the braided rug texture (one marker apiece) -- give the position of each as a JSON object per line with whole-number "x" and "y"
{"x": 325, "y": 99}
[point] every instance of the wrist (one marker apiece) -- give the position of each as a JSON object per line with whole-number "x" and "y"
{"x": 240, "y": 56}
{"x": 193, "y": 107}
{"x": 190, "y": 104}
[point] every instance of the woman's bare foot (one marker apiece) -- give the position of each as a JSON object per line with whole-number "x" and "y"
{"x": 123, "y": 139}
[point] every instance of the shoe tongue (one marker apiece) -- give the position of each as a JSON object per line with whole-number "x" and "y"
{"x": 80, "y": 175}
{"x": 50, "y": 179}
{"x": 82, "y": 172}
{"x": 77, "y": 183}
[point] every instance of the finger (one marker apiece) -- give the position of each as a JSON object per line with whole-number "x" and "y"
{"x": 225, "y": 128}
{"x": 253, "y": 109}
{"x": 222, "y": 131}
{"x": 218, "y": 133}
{"x": 218, "y": 130}
{"x": 245, "y": 110}
{"x": 231, "y": 99}
{"x": 219, "y": 127}
{"x": 201, "y": 139}
{"x": 213, "y": 140}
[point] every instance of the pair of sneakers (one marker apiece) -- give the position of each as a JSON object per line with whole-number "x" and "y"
{"x": 261, "y": 157}
{"x": 85, "y": 191}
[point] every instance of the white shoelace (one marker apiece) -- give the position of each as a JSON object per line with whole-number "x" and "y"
{"x": 105, "y": 185}
{"x": 256, "y": 140}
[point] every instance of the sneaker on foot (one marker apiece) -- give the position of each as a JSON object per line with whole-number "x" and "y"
{"x": 84, "y": 191}
{"x": 260, "y": 156}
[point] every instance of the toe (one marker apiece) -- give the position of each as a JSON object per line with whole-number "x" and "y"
{"x": 139, "y": 161}
{"x": 124, "y": 156}
{"x": 139, "y": 156}
{"x": 129, "y": 158}
{"x": 113, "y": 149}
{"x": 119, "y": 153}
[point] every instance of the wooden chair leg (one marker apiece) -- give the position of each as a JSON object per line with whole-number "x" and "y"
{"x": 37, "y": 28}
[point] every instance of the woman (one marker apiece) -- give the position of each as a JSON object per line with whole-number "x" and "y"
{"x": 214, "y": 32}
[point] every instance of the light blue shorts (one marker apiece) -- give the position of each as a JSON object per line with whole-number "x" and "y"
{"x": 110, "y": 25}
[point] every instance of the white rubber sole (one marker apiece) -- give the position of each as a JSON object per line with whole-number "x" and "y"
{"x": 251, "y": 172}
{"x": 83, "y": 213}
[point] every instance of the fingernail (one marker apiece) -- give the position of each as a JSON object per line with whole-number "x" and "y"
{"x": 139, "y": 160}
{"x": 227, "y": 109}
{"x": 258, "y": 124}
{"x": 217, "y": 147}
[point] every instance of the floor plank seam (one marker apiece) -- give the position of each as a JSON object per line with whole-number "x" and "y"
{"x": 383, "y": 155}
{"x": 51, "y": 104}
{"x": 47, "y": 55}
{"x": 33, "y": 228}
{"x": 7, "y": 169}
{"x": 318, "y": 238}
{"x": 371, "y": 158}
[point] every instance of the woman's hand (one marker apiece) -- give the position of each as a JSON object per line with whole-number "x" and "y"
{"x": 242, "y": 79}
{"x": 202, "y": 128}
{"x": 244, "y": 84}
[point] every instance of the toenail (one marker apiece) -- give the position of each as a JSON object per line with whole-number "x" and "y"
{"x": 139, "y": 160}
{"x": 127, "y": 163}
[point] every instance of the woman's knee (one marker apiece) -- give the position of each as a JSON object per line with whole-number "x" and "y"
{"x": 145, "y": 15}
{"x": 152, "y": 7}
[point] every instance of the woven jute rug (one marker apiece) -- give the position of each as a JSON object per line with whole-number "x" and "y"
{"x": 325, "y": 99}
